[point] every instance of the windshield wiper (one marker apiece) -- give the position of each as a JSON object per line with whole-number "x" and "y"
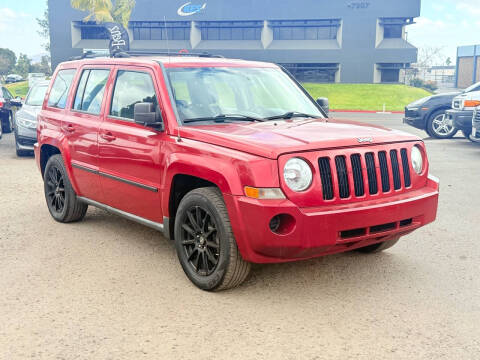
{"x": 291, "y": 114}
{"x": 222, "y": 117}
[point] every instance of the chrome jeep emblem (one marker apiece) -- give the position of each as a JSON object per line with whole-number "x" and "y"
{"x": 365, "y": 140}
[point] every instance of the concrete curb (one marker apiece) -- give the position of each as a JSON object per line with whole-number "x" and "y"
{"x": 366, "y": 111}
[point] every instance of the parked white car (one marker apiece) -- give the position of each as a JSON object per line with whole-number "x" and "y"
{"x": 463, "y": 106}
{"x": 34, "y": 78}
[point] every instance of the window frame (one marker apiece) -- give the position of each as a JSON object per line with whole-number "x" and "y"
{"x": 68, "y": 100}
{"x": 136, "y": 69}
{"x": 79, "y": 78}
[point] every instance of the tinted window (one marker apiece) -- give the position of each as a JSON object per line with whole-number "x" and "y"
{"x": 131, "y": 88}
{"x": 60, "y": 88}
{"x": 90, "y": 91}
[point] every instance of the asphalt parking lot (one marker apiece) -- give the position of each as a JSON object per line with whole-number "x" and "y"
{"x": 107, "y": 288}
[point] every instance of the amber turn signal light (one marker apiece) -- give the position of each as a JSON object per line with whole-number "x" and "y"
{"x": 264, "y": 193}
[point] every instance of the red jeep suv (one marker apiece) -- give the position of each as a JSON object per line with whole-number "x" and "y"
{"x": 231, "y": 159}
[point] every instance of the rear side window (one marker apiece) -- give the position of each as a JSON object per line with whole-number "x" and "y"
{"x": 90, "y": 91}
{"x": 60, "y": 88}
{"x": 131, "y": 87}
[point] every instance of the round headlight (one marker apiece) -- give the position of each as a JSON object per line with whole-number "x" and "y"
{"x": 417, "y": 160}
{"x": 297, "y": 174}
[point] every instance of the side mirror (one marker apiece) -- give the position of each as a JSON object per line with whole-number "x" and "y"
{"x": 324, "y": 104}
{"x": 146, "y": 114}
{"x": 16, "y": 101}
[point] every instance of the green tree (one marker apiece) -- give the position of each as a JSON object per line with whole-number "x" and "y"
{"x": 7, "y": 61}
{"x": 106, "y": 10}
{"x": 23, "y": 65}
{"x": 448, "y": 61}
{"x": 44, "y": 31}
{"x": 43, "y": 66}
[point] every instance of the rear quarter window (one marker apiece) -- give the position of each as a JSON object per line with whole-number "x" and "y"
{"x": 61, "y": 86}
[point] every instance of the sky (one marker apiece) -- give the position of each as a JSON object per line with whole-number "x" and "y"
{"x": 443, "y": 24}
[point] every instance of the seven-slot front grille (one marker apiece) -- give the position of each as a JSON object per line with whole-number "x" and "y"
{"x": 362, "y": 173}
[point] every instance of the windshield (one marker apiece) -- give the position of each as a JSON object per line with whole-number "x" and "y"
{"x": 36, "y": 95}
{"x": 207, "y": 92}
{"x": 474, "y": 87}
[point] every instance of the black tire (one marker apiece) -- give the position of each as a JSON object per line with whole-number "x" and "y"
{"x": 61, "y": 199}
{"x": 208, "y": 242}
{"x": 7, "y": 123}
{"x": 436, "y": 130}
{"x": 468, "y": 132}
{"x": 376, "y": 248}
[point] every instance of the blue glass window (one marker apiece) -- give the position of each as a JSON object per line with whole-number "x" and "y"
{"x": 158, "y": 30}
{"x": 231, "y": 30}
{"x": 305, "y": 29}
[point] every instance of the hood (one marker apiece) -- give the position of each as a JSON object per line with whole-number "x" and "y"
{"x": 449, "y": 94}
{"x": 28, "y": 112}
{"x": 273, "y": 138}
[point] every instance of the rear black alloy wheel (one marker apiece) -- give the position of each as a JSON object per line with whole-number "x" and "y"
{"x": 55, "y": 189}
{"x": 200, "y": 240}
{"x": 205, "y": 244}
{"x": 62, "y": 201}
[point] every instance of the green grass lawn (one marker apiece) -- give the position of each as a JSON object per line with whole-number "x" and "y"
{"x": 366, "y": 96}
{"x": 18, "y": 89}
{"x": 342, "y": 96}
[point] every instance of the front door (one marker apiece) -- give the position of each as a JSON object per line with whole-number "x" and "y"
{"x": 130, "y": 154}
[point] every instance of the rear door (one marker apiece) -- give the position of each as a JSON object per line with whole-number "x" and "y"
{"x": 131, "y": 155}
{"x": 81, "y": 126}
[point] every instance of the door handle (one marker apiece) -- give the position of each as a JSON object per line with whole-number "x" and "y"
{"x": 107, "y": 136}
{"x": 69, "y": 128}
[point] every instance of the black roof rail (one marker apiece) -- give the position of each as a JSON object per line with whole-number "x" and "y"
{"x": 87, "y": 55}
{"x": 163, "y": 53}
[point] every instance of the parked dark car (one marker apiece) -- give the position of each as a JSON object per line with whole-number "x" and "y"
{"x": 8, "y": 107}
{"x": 429, "y": 113}
{"x": 13, "y": 78}
{"x": 26, "y": 119}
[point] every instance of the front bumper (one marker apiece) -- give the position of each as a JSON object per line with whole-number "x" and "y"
{"x": 415, "y": 118}
{"x": 25, "y": 137}
{"x": 330, "y": 229}
{"x": 462, "y": 119}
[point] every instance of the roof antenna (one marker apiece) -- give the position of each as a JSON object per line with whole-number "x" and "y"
{"x": 166, "y": 36}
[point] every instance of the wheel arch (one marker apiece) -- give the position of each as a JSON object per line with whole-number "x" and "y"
{"x": 187, "y": 172}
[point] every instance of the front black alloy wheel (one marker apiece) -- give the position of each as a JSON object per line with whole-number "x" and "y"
{"x": 200, "y": 240}
{"x": 205, "y": 244}
{"x": 62, "y": 201}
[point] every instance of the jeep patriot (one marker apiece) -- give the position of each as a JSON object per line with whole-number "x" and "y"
{"x": 231, "y": 159}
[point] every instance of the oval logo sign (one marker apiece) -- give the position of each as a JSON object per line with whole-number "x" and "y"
{"x": 190, "y": 9}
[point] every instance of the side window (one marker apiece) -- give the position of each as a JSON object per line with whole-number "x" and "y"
{"x": 60, "y": 88}
{"x": 131, "y": 87}
{"x": 90, "y": 91}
